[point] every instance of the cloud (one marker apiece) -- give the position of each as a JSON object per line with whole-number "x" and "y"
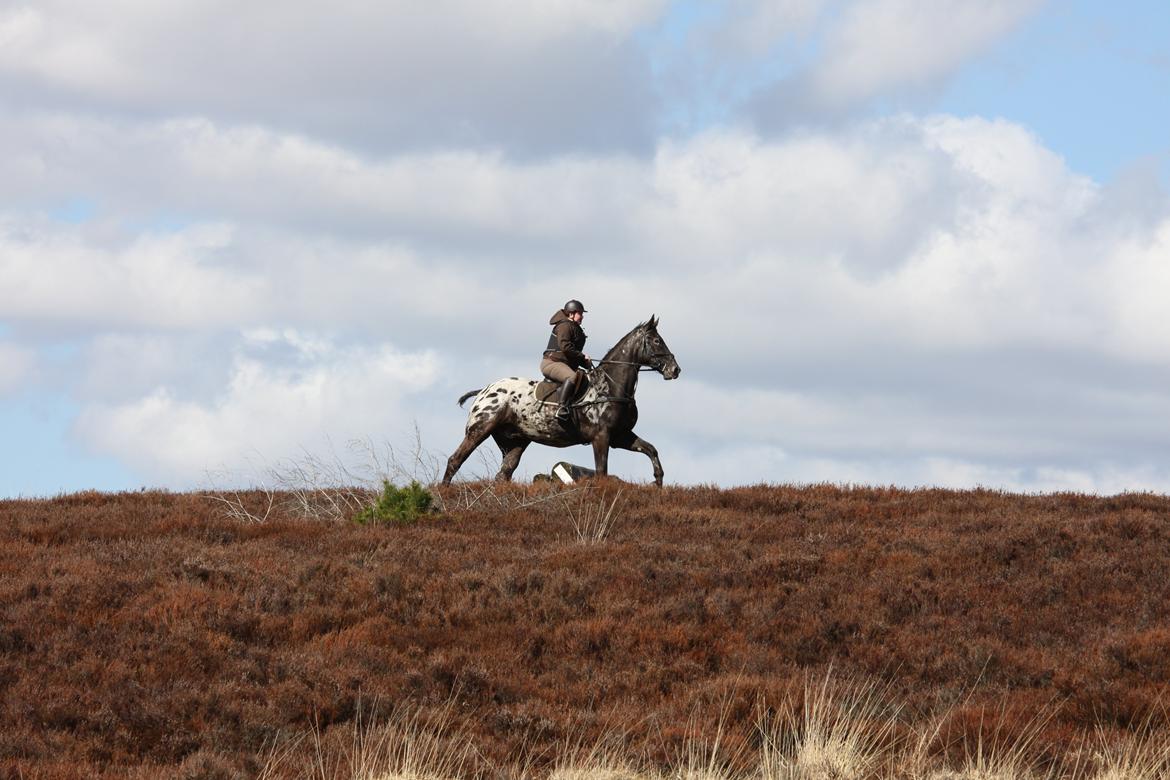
{"x": 197, "y": 170}
{"x": 268, "y": 409}
{"x": 929, "y": 233}
{"x": 53, "y": 275}
{"x": 747, "y": 465}
{"x": 118, "y": 366}
{"x": 529, "y": 77}
{"x": 754, "y": 27}
{"x": 868, "y": 197}
{"x": 939, "y": 297}
{"x": 886, "y": 48}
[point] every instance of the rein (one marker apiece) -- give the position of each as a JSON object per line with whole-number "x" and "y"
{"x": 602, "y": 399}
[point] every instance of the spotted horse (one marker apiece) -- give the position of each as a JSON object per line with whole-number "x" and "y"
{"x": 604, "y": 416}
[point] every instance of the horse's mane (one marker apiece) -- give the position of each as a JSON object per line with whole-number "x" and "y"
{"x": 647, "y": 325}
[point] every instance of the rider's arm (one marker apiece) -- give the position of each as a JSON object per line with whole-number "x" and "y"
{"x": 564, "y": 341}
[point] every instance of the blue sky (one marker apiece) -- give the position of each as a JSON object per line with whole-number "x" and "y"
{"x": 891, "y": 241}
{"x": 47, "y": 461}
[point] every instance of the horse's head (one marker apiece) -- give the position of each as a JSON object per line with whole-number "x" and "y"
{"x": 653, "y": 352}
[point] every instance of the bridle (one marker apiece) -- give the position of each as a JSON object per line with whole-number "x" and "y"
{"x": 643, "y": 366}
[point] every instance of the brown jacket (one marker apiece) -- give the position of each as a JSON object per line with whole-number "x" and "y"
{"x": 566, "y": 343}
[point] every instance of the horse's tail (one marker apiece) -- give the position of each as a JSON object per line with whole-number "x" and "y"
{"x": 465, "y": 396}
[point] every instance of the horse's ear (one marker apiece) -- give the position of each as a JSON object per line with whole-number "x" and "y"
{"x": 653, "y": 322}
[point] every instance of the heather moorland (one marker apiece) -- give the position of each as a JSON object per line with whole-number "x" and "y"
{"x": 591, "y": 631}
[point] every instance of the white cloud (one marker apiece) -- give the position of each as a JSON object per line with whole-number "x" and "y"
{"x": 270, "y": 410}
{"x": 866, "y": 197}
{"x": 194, "y": 168}
{"x": 1137, "y": 283}
{"x": 887, "y": 48}
{"x": 53, "y": 275}
{"x": 929, "y": 234}
{"x": 527, "y": 75}
{"x": 886, "y": 45}
{"x": 118, "y": 366}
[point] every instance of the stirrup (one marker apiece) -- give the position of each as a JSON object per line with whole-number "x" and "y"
{"x": 564, "y": 412}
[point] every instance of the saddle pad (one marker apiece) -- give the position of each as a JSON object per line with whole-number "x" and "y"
{"x": 546, "y": 389}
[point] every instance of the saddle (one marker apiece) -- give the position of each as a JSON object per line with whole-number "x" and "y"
{"x": 547, "y": 389}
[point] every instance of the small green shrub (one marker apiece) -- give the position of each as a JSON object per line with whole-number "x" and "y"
{"x": 401, "y": 505}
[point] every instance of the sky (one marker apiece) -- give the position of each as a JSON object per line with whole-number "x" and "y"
{"x": 890, "y": 242}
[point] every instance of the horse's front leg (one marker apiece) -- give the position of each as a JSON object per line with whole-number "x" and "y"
{"x": 632, "y": 442}
{"x": 601, "y": 453}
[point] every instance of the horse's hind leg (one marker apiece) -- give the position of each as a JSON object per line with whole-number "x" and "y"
{"x": 512, "y": 449}
{"x": 475, "y": 437}
{"x": 630, "y": 441}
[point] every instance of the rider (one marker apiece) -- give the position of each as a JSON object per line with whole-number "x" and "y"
{"x": 565, "y": 352}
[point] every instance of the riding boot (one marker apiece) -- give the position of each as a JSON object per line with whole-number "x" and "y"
{"x": 567, "y": 390}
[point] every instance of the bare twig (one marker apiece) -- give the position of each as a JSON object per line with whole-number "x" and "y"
{"x": 592, "y": 520}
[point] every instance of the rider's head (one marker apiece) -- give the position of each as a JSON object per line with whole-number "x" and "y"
{"x": 574, "y": 307}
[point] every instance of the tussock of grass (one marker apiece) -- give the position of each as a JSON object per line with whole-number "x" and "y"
{"x": 1144, "y": 756}
{"x": 406, "y": 746}
{"x": 999, "y": 756}
{"x": 839, "y": 732}
{"x": 604, "y": 760}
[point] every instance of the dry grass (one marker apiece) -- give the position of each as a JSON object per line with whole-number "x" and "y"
{"x": 834, "y": 730}
{"x": 840, "y": 731}
{"x": 149, "y": 635}
{"x": 408, "y": 745}
{"x": 592, "y": 517}
{"x": 607, "y": 759}
{"x": 1141, "y": 756}
{"x": 331, "y": 487}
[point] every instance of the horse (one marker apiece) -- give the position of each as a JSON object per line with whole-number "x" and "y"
{"x": 509, "y": 411}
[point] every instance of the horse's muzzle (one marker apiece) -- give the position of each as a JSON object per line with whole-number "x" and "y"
{"x": 671, "y": 372}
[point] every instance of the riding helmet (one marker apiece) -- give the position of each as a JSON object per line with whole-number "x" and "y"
{"x": 574, "y": 305}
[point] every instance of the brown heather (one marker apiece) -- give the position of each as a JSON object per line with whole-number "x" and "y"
{"x": 146, "y": 635}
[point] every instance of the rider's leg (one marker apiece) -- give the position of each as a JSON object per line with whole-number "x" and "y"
{"x": 568, "y": 387}
{"x": 561, "y": 372}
